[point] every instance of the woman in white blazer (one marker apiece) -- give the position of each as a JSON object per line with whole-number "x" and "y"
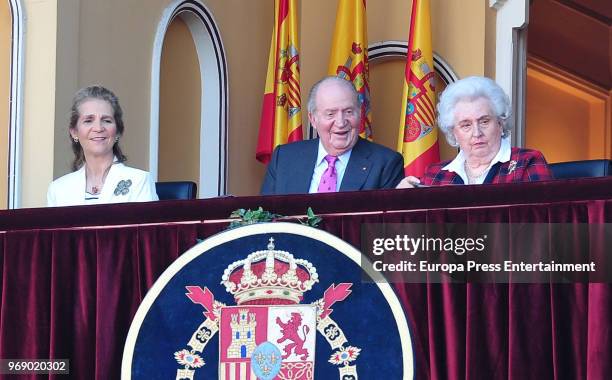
{"x": 99, "y": 176}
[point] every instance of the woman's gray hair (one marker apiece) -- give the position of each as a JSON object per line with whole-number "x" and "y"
{"x": 101, "y": 93}
{"x": 469, "y": 89}
{"x": 312, "y": 96}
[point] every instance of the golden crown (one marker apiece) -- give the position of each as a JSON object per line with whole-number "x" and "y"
{"x": 269, "y": 277}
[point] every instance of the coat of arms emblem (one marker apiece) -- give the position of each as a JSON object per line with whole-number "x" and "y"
{"x": 268, "y": 334}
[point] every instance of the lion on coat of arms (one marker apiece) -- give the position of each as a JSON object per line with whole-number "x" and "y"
{"x": 290, "y": 331}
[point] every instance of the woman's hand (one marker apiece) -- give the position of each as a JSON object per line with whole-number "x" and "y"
{"x": 408, "y": 183}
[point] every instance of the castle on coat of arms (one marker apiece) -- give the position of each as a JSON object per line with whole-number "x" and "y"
{"x": 243, "y": 335}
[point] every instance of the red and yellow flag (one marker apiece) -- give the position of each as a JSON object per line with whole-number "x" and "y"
{"x": 281, "y": 115}
{"x": 349, "y": 55}
{"x": 418, "y": 136}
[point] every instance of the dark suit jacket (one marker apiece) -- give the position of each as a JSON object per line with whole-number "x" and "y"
{"x": 371, "y": 166}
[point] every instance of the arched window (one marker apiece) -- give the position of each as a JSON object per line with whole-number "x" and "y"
{"x": 213, "y": 96}
{"x": 11, "y": 147}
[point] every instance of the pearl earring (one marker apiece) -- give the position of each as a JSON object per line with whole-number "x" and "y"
{"x": 116, "y": 139}
{"x": 75, "y": 139}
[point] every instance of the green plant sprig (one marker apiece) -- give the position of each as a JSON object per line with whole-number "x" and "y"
{"x": 244, "y": 217}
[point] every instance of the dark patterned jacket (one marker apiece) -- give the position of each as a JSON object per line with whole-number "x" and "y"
{"x": 525, "y": 165}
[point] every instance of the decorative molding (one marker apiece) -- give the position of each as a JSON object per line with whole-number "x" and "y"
{"x": 16, "y": 103}
{"x": 510, "y": 58}
{"x": 214, "y": 96}
{"x": 382, "y": 50}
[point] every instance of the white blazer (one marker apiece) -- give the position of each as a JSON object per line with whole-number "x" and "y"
{"x": 122, "y": 184}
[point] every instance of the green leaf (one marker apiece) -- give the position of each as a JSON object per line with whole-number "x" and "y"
{"x": 311, "y": 219}
{"x": 237, "y": 213}
{"x": 310, "y": 213}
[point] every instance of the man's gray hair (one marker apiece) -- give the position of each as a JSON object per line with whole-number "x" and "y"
{"x": 312, "y": 96}
{"x": 470, "y": 89}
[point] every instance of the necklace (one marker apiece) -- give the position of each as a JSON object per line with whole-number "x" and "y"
{"x": 97, "y": 188}
{"x": 471, "y": 176}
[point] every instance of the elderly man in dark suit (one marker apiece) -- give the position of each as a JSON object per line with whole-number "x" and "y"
{"x": 338, "y": 160}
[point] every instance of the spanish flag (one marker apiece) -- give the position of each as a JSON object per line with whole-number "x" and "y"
{"x": 349, "y": 55}
{"x": 281, "y": 114}
{"x": 418, "y": 136}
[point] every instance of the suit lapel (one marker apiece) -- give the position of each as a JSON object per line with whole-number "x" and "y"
{"x": 494, "y": 172}
{"x": 304, "y": 166}
{"x": 110, "y": 183}
{"x": 358, "y": 167}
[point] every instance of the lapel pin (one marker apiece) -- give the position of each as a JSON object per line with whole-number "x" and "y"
{"x": 123, "y": 187}
{"x": 512, "y": 166}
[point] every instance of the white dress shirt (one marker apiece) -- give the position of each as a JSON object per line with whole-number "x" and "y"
{"x": 458, "y": 164}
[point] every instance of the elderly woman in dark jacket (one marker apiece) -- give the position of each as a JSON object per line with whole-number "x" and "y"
{"x": 473, "y": 114}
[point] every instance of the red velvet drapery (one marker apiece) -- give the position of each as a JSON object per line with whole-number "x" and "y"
{"x": 72, "y": 278}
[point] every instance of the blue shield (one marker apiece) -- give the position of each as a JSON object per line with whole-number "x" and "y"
{"x": 266, "y": 361}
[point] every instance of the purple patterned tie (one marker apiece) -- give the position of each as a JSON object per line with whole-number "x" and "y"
{"x": 329, "y": 179}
